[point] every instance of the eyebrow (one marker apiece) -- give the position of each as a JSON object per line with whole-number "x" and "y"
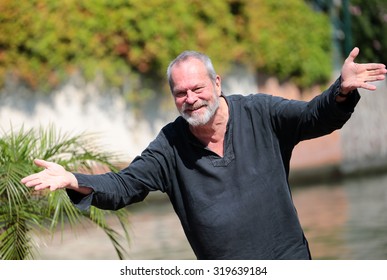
{"x": 195, "y": 86}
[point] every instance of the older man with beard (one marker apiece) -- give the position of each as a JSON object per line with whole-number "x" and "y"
{"x": 224, "y": 163}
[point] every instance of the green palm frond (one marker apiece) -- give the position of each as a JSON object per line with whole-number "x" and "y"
{"x": 15, "y": 243}
{"x": 15, "y": 238}
{"x": 98, "y": 217}
{"x": 62, "y": 210}
{"x": 23, "y": 211}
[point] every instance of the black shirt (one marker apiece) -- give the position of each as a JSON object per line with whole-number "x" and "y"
{"x": 238, "y": 206}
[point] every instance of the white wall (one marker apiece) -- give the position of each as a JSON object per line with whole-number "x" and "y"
{"x": 83, "y": 107}
{"x": 364, "y": 137}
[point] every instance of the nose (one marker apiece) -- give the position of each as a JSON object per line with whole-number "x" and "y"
{"x": 191, "y": 97}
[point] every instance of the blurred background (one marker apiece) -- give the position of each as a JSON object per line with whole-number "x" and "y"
{"x": 99, "y": 66}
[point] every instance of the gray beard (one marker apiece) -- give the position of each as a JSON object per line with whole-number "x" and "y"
{"x": 202, "y": 119}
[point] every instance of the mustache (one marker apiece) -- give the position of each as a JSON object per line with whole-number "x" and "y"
{"x": 194, "y": 106}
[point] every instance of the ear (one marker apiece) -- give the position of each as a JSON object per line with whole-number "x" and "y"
{"x": 218, "y": 85}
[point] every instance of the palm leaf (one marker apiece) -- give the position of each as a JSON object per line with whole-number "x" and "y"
{"x": 23, "y": 211}
{"x": 98, "y": 217}
{"x": 15, "y": 240}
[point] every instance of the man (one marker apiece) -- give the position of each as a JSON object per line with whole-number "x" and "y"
{"x": 224, "y": 163}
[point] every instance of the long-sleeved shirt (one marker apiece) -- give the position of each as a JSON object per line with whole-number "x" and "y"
{"x": 238, "y": 206}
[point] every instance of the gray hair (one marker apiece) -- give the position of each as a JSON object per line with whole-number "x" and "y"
{"x": 184, "y": 56}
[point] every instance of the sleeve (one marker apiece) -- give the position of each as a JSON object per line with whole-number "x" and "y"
{"x": 112, "y": 191}
{"x": 295, "y": 120}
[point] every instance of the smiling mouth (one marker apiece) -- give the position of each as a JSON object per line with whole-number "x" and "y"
{"x": 191, "y": 110}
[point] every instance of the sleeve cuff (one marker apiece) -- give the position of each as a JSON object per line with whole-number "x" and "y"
{"x": 82, "y": 202}
{"x": 348, "y": 105}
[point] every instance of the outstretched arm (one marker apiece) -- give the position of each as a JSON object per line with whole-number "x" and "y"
{"x": 358, "y": 75}
{"x": 54, "y": 177}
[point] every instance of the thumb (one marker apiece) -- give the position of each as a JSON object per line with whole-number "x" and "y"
{"x": 42, "y": 163}
{"x": 353, "y": 54}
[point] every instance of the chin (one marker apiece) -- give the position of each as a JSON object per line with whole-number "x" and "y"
{"x": 197, "y": 121}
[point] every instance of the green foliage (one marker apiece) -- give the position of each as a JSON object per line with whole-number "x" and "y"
{"x": 369, "y": 29}
{"x": 43, "y": 41}
{"x": 24, "y": 211}
{"x": 288, "y": 40}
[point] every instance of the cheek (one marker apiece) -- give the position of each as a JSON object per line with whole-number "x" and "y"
{"x": 178, "y": 103}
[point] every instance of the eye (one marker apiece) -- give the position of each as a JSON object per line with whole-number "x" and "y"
{"x": 180, "y": 94}
{"x": 198, "y": 89}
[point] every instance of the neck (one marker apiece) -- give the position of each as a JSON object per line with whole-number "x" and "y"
{"x": 214, "y": 131}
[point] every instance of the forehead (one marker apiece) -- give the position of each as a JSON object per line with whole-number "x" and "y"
{"x": 189, "y": 73}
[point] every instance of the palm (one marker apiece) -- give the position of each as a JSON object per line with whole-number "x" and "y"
{"x": 23, "y": 210}
{"x": 53, "y": 176}
{"x": 355, "y": 75}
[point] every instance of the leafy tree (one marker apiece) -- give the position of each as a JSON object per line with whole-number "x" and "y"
{"x": 369, "y": 28}
{"x": 24, "y": 211}
{"x": 43, "y": 41}
{"x": 361, "y": 23}
{"x": 289, "y": 40}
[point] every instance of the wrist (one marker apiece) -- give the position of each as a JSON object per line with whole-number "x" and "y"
{"x": 344, "y": 89}
{"x": 342, "y": 94}
{"x": 72, "y": 182}
{"x": 73, "y": 185}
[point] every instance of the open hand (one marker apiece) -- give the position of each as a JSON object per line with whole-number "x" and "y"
{"x": 54, "y": 177}
{"x": 358, "y": 75}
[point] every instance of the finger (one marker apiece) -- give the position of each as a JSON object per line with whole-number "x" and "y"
{"x": 33, "y": 183}
{"x": 42, "y": 163}
{"x": 54, "y": 187}
{"x": 374, "y": 79}
{"x": 353, "y": 54}
{"x": 368, "y": 86}
{"x": 29, "y": 178}
{"x": 375, "y": 74}
{"x": 42, "y": 187}
{"x": 376, "y": 67}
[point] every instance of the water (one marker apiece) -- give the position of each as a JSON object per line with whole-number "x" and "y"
{"x": 346, "y": 220}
